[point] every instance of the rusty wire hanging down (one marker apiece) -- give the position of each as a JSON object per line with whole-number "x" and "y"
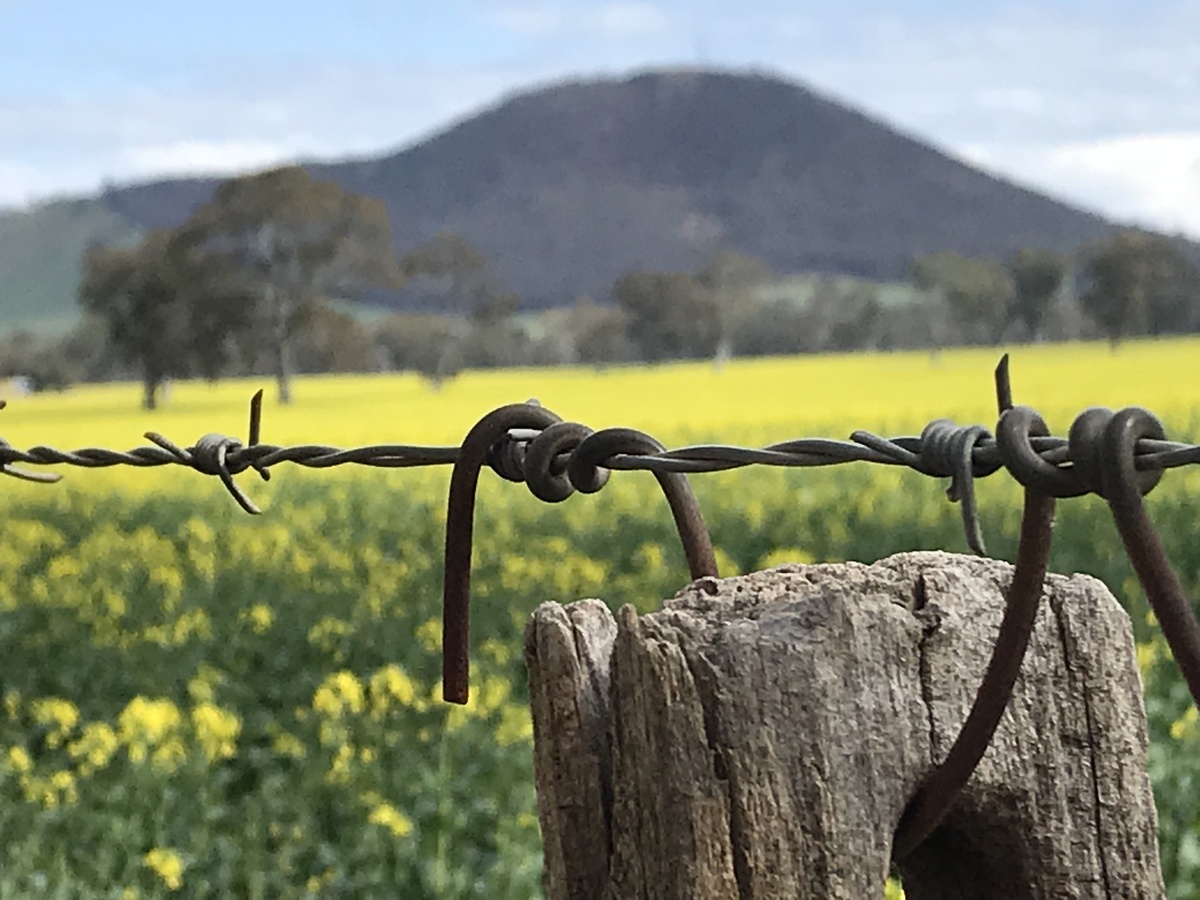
{"x": 1119, "y": 455}
{"x": 933, "y": 799}
{"x": 538, "y": 463}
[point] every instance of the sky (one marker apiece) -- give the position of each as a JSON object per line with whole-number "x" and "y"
{"x": 1093, "y": 101}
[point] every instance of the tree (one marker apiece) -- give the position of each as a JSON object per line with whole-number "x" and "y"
{"x": 977, "y": 291}
{"x": 331, "y": 340}
{"x": 424, "y": 343}
{"x": 446, "y": 257}
{"x": 484, "y": 335}
{"x": 1133, "y": 282}
{"x": 596, "y": 333}
{"x": 140, "y": 293}
{"x": 1036, "y": 277}
{"x": 289, "y": 239}
{"x": 670, "y": 314}
{"x": 730, "y": 278}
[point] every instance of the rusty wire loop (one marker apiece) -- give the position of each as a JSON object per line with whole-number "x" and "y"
{"x": 584, "y": 471}
{"x": 1106, "y": 452}
{"x": 1120, "y": 456}
{"x": 933, "y": 799}
{"x": 486, "y": 441}
{"x": 554, "y": 461}
{"x": 1123, "y": 492}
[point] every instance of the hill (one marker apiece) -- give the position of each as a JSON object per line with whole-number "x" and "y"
{"x": 40, "y": 253}
{"x": 567, "y": 186}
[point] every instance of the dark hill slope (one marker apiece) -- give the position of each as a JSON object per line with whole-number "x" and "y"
{"x": 568, "y": 186}
{"x": 565, "y": 187}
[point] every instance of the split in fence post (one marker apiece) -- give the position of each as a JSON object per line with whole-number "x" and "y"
{"x": 760, "y": 736}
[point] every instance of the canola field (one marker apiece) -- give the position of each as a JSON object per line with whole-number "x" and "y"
{"x": 201, "y": 703}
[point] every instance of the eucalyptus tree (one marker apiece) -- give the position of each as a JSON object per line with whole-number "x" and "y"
{"x": 290, "y": 239}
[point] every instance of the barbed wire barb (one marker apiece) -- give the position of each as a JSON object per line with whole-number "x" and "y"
{"x": 1120, "y": 456}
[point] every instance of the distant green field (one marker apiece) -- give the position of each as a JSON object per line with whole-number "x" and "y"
{"x": 40, "y": 253}
{"x": 800, "y": 289}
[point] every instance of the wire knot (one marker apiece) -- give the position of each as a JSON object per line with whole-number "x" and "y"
{"x": 1102, "y": 444}
{"x": 948, "y": 451}
{"x": 506, "y": 457}
{"x": 1101, "y": 448}
{"x": 547, "y": 459}
{"x": 211, "y": 455}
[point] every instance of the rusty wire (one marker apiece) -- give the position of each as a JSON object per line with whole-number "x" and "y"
{"x": 1120, "y": 456}
{"x": 933, "y": 799}
{"x": 930, "y": 453}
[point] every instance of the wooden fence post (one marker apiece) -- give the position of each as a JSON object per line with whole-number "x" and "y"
{"x": 759, "y": 737}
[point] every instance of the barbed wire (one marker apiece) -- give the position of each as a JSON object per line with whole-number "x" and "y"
{"x": 863, "y": 446}
{"x": 942, "y": 450}
{"x": 1121, "y": 456}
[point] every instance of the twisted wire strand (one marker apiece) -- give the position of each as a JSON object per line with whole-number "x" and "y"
{"x": 694, "y": 459}
{"x": 942, "y": 450}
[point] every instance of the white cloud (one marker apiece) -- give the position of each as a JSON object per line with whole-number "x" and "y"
{"x": 238, "y": 118}
{"x": 209, "y": 157}
{"x": 1152, "y": 178}
{"x": 1097, "y": 109}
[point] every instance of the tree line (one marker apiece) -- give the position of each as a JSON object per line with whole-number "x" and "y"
{"x": 249, "y": 284}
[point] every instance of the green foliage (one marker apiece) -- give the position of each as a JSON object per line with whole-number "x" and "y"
{"x": 670, "y": 314}
{"x": 977, "y": 291}
{"x": 1036, "y": 276}
{"x": 147, "y": 296}
{"x": 287, "y": 239}
{"x": 315, "y": 629}
{"x": 1139, "y": 283}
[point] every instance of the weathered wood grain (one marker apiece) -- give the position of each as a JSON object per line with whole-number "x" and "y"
{"x": 759, "y": 737}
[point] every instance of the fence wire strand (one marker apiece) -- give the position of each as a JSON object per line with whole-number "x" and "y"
{"x": 1120, "y": 456}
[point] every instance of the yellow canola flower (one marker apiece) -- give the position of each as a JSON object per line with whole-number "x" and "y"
{"x": 216, "y": 730}
{"x": 328, "y": 634}
{"x": 499, "y": 651}
{"x": 58, "y": 715}
{"x": 429, "y": 635}
{"x": 169, "y": 581}
{"x": 192, "y": 623}
{"x": 1187, "y": 725}
{"x": 202, "y": 686}
{"x": 391, "y": 683}
{"x": 95, "y": 746}
{"x": 485, "y": 699}
{"x": 287, "y": 744}
{"x": 260, "y": 617}
{"x": 57, "y": 790}
{"x": 17, "y": 759}
{"x": 317, "y": 883}
{"x": 339, "y": 769}
{"x": 515, "y": 725}
{"x": 341, "y": 693}
{"x": 151, "y": 725}
{"x": 1147, "y": 656}
{"x": 387, "y": 816}
{"x": 167, "y": 865}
